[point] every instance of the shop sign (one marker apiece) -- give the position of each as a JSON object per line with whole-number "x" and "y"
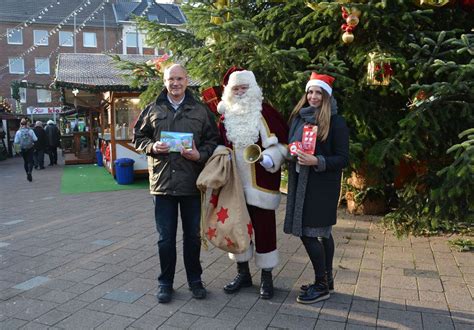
{"x": 42, "y": 110}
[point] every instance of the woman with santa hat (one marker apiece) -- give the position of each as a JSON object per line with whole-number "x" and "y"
{"x": 314, "y": 182}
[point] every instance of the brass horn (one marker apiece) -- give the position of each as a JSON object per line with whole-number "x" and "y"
{"x": 253, "y": 154}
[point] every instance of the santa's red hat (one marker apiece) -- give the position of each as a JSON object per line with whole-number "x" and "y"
{"x": 321, "y": 80}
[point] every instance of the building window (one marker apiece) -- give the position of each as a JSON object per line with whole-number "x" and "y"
{"x": 42, "y": 65}
{"x": 40, "y": 37}
{"x": 43, "y": 95}
{"x": 66, "y": 39}
{"x": 16, "y": 65}
{"x": 15, "y": 37}
{"x": 132, "y": 39}
{"x": 22, "y": 93}
{"x": 90, "y": 39}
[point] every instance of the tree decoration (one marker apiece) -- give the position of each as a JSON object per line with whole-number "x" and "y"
{"x": 352, "y": 19}
{"x": 467, "y": 4}
{"x": 379, "y": 69}
{"x": 220, "y": 5}
{"x": 433, "y": 3}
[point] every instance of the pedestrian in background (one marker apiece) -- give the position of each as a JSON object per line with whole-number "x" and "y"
{"x": 54, "y": 141}
{"x": 314, "y": 182}
{"x": 173, "y": 175}
{"x": 25, "y": 138}
{"x": 40, "y": 145}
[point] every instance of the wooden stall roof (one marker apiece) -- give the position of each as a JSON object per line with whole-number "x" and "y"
{"x": 97, "y": 72}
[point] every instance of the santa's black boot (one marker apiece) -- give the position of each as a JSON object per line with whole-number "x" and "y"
{"x": 242, "y": 280}
{"x": 266, "y": 286}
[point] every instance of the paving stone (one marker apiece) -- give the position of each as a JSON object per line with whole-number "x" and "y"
{"x": 148, "y": 321}
{"x": 434, "y": 307}
{"x": 30, "y": 284}
{"x": 285, "y": 321}
{"x": 255, "y": 320}
{"x": 205, "y": 323}
{"x": 437, "y": 321}
{"x": 399, "y": 319}
{"x": 182, "y": 320}
{"x": 123, "y": 296}
{"x": 84, "y": 319}
{"x": 52, "y": 317}
{"x": 129, "y": 310}
{"x": 59, "y": 297}
{"x": 116, "y": 322}
{"x": 362, "y": 318}
{"x": 12, "y": 323}
{"x": 366, "y": 306}
{"x": 334, "y": 312}
{"x": 102, "y": 305}
{"x": 330, "y": 325}
{"x": 231, "y": 314}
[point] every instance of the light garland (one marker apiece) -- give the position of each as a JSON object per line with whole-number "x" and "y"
{"x": 58, "y": 27}
{"x": 31, "y": 20}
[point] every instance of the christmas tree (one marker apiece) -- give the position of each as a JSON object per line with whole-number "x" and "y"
{"x": 404, "y": 82}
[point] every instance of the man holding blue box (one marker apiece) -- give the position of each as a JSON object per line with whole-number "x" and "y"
{"x": 173, "y": 174}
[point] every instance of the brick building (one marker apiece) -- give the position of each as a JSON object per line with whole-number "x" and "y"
{"x": 34, "y": 32}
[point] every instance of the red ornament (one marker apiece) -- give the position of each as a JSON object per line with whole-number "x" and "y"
{"x": 222, "y": 215}
{"x": 467, "y": 4}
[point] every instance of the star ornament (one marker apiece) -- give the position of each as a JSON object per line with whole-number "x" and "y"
{"x": 229, "y": 241}
{"x": 211, "y": 233}
{"x": 222, "y": 215}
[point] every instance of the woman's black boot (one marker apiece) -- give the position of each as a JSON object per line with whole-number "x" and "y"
{"x": 266, "y": 286}
{"x": 319, "y": 291}
{"x": 242, "y": 280}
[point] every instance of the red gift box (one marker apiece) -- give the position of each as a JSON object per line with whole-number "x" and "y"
{"x": 212, "y": 96}
{"x": 310, "y": 133}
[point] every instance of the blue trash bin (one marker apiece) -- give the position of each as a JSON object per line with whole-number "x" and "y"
{"x": 124, "y": 170}
{"x": 98, "y": 155}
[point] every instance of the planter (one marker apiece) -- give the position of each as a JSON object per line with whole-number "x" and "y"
{"x": 369, "y": 206}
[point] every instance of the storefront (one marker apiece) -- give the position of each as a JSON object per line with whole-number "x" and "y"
{"x": 100, "y": 110}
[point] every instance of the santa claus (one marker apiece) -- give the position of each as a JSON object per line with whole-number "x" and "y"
{"x": 246, "y": 120}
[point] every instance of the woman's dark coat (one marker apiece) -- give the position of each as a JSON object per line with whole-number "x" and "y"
{"x": 313, "y": 194}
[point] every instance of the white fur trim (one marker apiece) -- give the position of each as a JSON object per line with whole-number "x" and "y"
{"x": 277, "y": 153}
{"x": 319, "y": 83}
{"x": 241, "y": 78}
{"x": 242, "y": 257}
{"x": 265, "y": 199}
{"x": 267, "y": 260}
{"x": 221, "y": 107}
{"x": 267, "y": 137}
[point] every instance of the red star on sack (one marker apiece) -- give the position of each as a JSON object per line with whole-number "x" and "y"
{"x": 250, "y": 229}
{"x": 222, "y": 215}
{"x": 214, "y": 200}
{"x": 211, "y": 233}
{"x": 229, "y": 241}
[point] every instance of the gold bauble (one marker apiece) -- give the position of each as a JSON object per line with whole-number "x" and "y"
{"x": 352, "y": 20}
{"x": 347, "y": 37}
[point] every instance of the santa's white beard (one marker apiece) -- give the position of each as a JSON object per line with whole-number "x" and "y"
{"x": 241, "y": 120}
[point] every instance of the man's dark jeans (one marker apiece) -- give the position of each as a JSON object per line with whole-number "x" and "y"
{"x": 38, "y": 157}
{"x": 166, "y": 217}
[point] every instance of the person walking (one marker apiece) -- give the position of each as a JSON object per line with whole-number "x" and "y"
{"x": 40, "y": 145}
{"x": 247, "y": 121}
{"x": 314, "y": 182}
{"x": 173, "y": 175}
{"x": 54, "y": 141}
{"x": 25, "y": 138}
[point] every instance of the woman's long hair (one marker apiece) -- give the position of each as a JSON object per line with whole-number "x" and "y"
{"x": 324, "y": 118}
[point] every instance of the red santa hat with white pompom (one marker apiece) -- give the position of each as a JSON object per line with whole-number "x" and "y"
{"x": 321, "y": 80}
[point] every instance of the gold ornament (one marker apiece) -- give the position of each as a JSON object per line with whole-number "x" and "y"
{"x": 347, "y": 37}
{"x": 352, "y": 20}
{"x": 379, "y": 69}
{"x": 432, "y": 3}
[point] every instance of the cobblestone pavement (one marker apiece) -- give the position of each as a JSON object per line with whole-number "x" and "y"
{"x": 90, "y": 261}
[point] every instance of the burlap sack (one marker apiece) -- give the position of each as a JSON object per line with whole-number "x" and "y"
{"x": 225, "y": 220}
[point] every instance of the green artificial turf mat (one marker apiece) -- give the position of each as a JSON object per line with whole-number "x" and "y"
{"x": 78, "y": 179}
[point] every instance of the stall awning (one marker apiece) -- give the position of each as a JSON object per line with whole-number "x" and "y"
{"x": 96, "y": 72}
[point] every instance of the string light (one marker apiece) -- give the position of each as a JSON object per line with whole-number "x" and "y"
{"x": 29, "y": 21}
{"x": 57, "y": 27}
